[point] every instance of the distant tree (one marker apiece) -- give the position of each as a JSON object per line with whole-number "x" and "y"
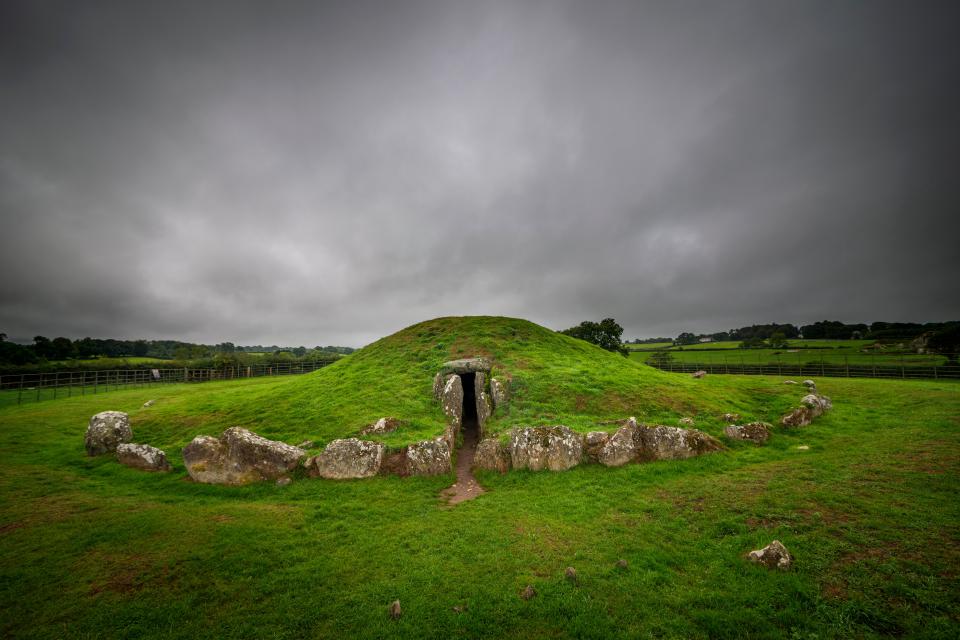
{"x": 752, "y": 342}
{"x": 15, "y": 354}
{"x": 42, "y": 347}
{"x": 660, "y": 359}
{"x": 778, "y": 341}
{"x": 62, "y": 349}
{"x": 605, "y": 334}
{"x": 686, "y": 338}
{"x": 226, "y": 347}
{"x": 947, "y": 342}
{"x": 141, "y": 348}
{"x": 300, "y": 351}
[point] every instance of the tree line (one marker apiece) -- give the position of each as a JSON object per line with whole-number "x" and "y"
{"x": 943, "y": 337}
{"x": 44, "y": 351}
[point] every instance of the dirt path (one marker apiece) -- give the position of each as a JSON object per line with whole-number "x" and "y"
{"x": 466, "y": 486}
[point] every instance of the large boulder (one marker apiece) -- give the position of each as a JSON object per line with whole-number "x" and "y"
{"x": 429, "y": 458}
{"x": 492, "y": 456}
{"x": 239, "y": 457}
{"x": 536, "y": 448}
{"x": 498, "y": 394}
{"x": 451, "y": 399}
{"x": 466, "y": 365}
{"x": 673, "y": 443}
{"x": 621, "y": 447}
{"x": 756, "y": 432}
{"x": 772, "y": 556}
{"x": 105, "y": 431}
{"x": 348, "y": 458}
{"x": 142, "y": 456}
{"x": 812, "y": 406}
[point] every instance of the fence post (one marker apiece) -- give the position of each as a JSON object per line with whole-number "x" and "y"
{"x": 903, "y": 370}
{"x": 20, "y": 392}
{"x": 846, "y": 362}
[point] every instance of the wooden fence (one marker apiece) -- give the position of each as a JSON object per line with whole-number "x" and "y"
{"x": 65, "y": 384}
{"x": 845, "y": 369}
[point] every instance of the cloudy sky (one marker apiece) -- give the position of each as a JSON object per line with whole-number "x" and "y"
{"x": 327, "y": 173}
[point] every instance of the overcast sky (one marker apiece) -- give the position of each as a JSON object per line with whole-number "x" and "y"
{"x": 328, "y": 173}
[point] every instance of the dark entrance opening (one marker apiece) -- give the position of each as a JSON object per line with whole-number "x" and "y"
{"x": 469, "y": 399}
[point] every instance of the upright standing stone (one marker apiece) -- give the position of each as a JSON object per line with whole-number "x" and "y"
{"x": 536, "y": 448}
{"x": 498, "y": 394}
{"x": 105, "y": 431}
{"x": 348, "y": 458}
{"x": 621, "y": 447}
{"x": 239, "y": 457}
{"x": 672, "y": 443}
{"x": 452, "y": 400}
{"x": 429, "y": 458}
{"x": 142, "y": 456}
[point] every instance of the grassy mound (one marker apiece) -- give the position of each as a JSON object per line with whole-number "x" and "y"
{"x": 552, "y": 379}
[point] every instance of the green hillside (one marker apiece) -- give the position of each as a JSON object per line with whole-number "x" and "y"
{"x": 552, "y": 379}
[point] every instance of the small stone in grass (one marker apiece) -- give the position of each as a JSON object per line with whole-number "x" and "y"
{"x": 772, "y": 556}
{"x": 282, "y": 482}
{"x": 528, "y": 592}
{"x": 571, "y": 575}
{"x": 459, "y": 608}
{"x": 395, "y": 612}
{"x": 621, "y": 564}
{"x": 803, "y": 447}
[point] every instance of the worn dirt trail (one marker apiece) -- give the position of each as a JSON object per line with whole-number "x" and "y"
{"x": 466, "y": 487}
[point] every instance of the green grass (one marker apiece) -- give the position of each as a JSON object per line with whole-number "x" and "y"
{"x": 93, "y": 549}
{"x": 649, "y": 346}
{"x": 805, "y": 352}
{"x": 105, "y": 362}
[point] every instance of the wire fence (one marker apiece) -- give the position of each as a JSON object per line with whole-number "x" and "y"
{"x": 65, "y": 384}
{"x": 858, "y": 368}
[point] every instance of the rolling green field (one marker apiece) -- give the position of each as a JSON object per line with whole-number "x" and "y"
{"x": 106, "y": 363}
{"x": 94, "y": 549}
{"x": 799, "y": 352}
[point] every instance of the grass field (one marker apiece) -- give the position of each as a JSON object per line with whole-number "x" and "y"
{"x": 106, "y": 363}
{"x": 93, "y": 549}
{"x": 805, "y": 352}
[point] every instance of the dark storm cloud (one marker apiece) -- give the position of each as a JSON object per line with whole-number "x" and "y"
{"x": 328, "y": 173}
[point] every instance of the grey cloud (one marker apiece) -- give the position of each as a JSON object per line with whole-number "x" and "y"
{"x": 330, "y": 172}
